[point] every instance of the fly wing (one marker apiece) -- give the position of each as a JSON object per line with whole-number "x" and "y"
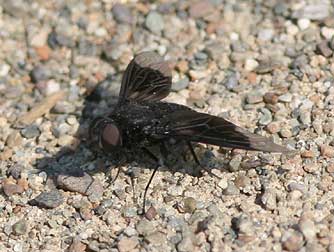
{"x": 147, "y": 77}
{"x": 204, "y": 128}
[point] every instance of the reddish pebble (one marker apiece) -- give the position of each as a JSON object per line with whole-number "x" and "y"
{"x": 327, "y": 151}
{"x": 43, "y": 52}
{"x": 151, "y": 213}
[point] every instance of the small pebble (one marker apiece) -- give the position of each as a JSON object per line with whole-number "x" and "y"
{"x": 50, "y": 199}
{"x": 189, "y": 205}
{"x": 269, "y": 199}
{"x": 231, "y": 82}
{"x": 180, "y": 84}
{"x": 327, "y": 151}
{"x": 323, "y": 49}
{"x": 39, "y": 73}
{"x": 126, "y": 244}
{"x": 285, "y": 98}
{"x": 30, "y": 132}
{"x": 330, "y": 168}
{"x": 151, "y": 213}
{"x": 308, "y": 229}
{"x": 231, "y": 190}
{"x": 15, "y": 170}
{"x": 266, "y": 116}
{"x": 303, "y": 23}
{"x": 253, "y": 98}
{"x": 270, "y": 98}
{"x": 154, "y": 22}
{"x": 20, "y": 227}
{"x": 285, "y": 133}
{"x": 273, "y": 127}
{"x": 145, "y": 227}
{"x": 292, "y": 240}
{"x": 10, "y": 188}
{"x": 265, "y": 34}
{"x": 84, "y": 184}
{"x": 122, "y": 13}
{"x": 251, "y": 64}
{"x": 14, "y": 139}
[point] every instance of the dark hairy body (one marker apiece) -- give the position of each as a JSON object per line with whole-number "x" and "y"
{"x": 144, "y": 123}
{"x": 141, "y": 119}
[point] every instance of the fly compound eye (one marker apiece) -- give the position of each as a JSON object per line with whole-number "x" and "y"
{"x": 111, "y": 136}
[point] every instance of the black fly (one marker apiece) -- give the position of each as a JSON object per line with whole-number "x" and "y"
{"x": 141, "y": 120}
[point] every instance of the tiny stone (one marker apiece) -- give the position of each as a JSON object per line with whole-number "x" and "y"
{"x": 266, "y": 116}
{"x": 4, "y": 69}
{"x": 328, "y": 33}
{"x": 253, "y": 98}
{"x": 265, "y": 34}
{"x": 244, "y": 225}
{"x": 77, "y": 246}
{"x": 126, "y": 244}
{"x": 234, "y": 164}
{"x": 154, "y": 22}
{"x": 30, "y": 132}
{"x": 242, "y": 181}
{"x": 180, "y": 84}
{"x": 189, "y": 205}
{"x": 307, "y": 154}
{"x": 182, "y": 66}
{"x": 231, "y": 82}
{"x": 330, "y": 168}
{"x": 273, "y": 127}
{"x": 323, "y": 49}
{"x": 297, "y": 186}
{"x": 50, "y": 199}
{"x": 200, "y": 8}
{"x": 292, "y": 241}
{"x": 20, "y": 227}
{"x": 151, "y": 213}
{"x": 327, "y": 151}
{"x": 231, "y": 190}
{"x": 269, "y": 199}
{"x": 15, "y": 171}
{"x": 223, "y": 183}
{"x": 39, "y": 73}
{"x": 292, "y": 30}
{"x": 51, "y": 87}
{"x": 156, "y": 238}
{"x": 145, "y": 227}
{"x": 270, "y": 98}
{"x": 285, "y": 132}
{"x": 311, "y": 167}
{"x": 14, "y": 139}
{"x": 303, "y": 23}
{"x": 9, "y": 188}
{"x": 251, "y": 64}
{"x": 122, "y": 13}
{"x": 185, "y": 245}
{"x": 308, "y": 229}
{"x": 316, "y": 11}
{"x": 285, "y": 98}
{"x": 129, "y": 212}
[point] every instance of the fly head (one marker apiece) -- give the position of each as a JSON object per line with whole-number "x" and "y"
{"x": 106, "y": 132}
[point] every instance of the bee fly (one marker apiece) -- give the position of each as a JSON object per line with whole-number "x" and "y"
{"x": 140, "y": 119}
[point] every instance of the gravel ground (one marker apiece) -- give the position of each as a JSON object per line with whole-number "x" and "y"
{"x": 266, "y": 65}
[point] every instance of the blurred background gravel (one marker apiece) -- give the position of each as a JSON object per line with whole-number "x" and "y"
{"x": 266, "y": 65}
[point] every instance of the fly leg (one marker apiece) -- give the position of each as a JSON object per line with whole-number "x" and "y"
{"x": 159, "y": 163}
{"x": 198, "y": 162}
{"x": 112, "y": 180}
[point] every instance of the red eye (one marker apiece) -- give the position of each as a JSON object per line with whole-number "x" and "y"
{"x": 111, "y": 135}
